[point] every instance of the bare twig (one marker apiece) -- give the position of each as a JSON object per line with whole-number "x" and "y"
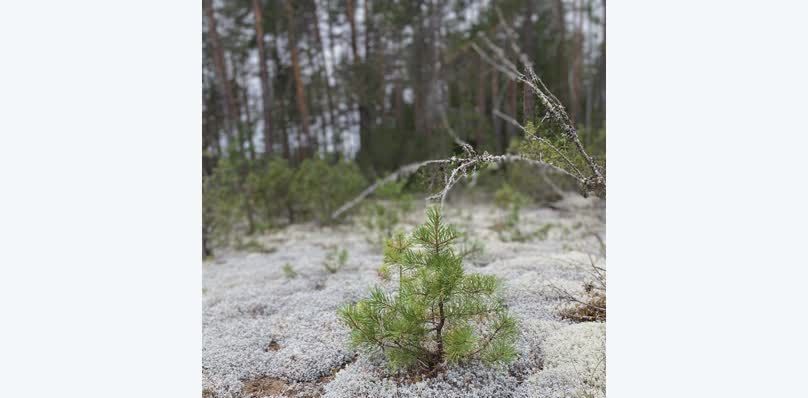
{"x": 465, "y": 163}
{"x": 542, "y": 140}
{"x": 404, "y": 171}
{"x": 463, "y": 144}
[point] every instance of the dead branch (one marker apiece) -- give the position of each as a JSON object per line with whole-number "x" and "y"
{"x": 513, "y": 121}
{"x": 402, "y": 172}
{"x": 462, "y": 170}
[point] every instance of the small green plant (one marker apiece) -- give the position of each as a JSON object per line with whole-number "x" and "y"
{"x": 512, "y": 201}
{"x": 335, "y": 260}
{"x": 438, "y": 313}
{"x": 544, "y": 231}
{"x": 252, "y": 245}
{"x": 381, "y": 216}
{"x": 380, "y": 220}
{"x": 470, "y": 248}
{"x": 288, "y": 271}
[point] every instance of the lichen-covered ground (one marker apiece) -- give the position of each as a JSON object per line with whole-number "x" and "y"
{"x": 266, "y": 334}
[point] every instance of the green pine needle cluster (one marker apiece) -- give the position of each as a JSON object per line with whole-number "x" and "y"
{"x": 439, "y": 313}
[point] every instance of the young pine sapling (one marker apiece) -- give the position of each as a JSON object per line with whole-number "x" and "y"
{"x": 439, "y": 313}
{"x": 335, "y": 260}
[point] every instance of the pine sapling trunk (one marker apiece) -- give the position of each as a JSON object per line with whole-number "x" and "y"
{"x": 438, "y": 333}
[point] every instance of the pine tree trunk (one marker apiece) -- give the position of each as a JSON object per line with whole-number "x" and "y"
{"x": 480, "y": 106}
{"x": 577, "y": 68}
{"x": 511, "y": 107}
{"x": 300, "y": 94}
{"x": 563, "y": 65}
{"x": 439, "y": 334}
{"x": 231, "y": 114}
{"x": 527, "y": 34}
{"x": 349, "y": 13}
{"x": 360, "y": 88}
{"x": 283, "y": 111}
{"x": 495, "y": 120}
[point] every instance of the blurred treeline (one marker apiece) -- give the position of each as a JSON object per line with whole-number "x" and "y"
{"x": 363, "y": 85}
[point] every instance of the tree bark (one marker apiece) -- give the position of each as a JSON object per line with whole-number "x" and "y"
{"x": 360, "y": 89}
{"x": 284, "y": 92}
{"x": 349, "y": 13}
{"x": 577, "y": 67}
{"x": 266, "y": 87}
{"x": 527, "y": 34}
{"x": 338, "y": 133}
{"x": 231, "y": 114}
{"x": 300, "y": 93}
{"x": 512, "y": 106}
{"x": 495, "y": 120}
{"x": 480, "y": 106}
{"x": 563, "y": 65}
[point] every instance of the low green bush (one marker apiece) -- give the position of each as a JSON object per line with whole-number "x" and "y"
{"x": 319, "y": 188}
{"x": 269, "y": 184}
{"x": 244, "y": 196}
{"x": 223, "y": 203}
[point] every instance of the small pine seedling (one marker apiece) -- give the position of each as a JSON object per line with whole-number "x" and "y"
{"x": 439, "y": 313}
{"x": 288, "y": 271}
{"x": 335, "y": 260}
{"x": 511, "y": 200}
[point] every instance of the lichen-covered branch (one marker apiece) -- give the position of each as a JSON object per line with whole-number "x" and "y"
{"x": 404, "y": 171}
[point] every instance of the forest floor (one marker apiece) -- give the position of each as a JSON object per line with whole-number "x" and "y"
{"x": 268, "y": 334}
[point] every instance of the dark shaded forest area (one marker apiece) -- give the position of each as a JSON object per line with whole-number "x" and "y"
{"x": 341, "y": 93}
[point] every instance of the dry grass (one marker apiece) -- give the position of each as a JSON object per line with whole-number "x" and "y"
{"x": 268, "y": 385}
{"x": 591, "y": 305}
{"x": 591, "y": 309}
{"x": 265, "y": 386}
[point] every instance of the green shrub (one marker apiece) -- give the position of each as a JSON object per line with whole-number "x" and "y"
{"x": 439, "y": 313}
{"x": 269, "y": 183}
{"x": 320, "y": 187}
{"x": 223, "y": 202}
